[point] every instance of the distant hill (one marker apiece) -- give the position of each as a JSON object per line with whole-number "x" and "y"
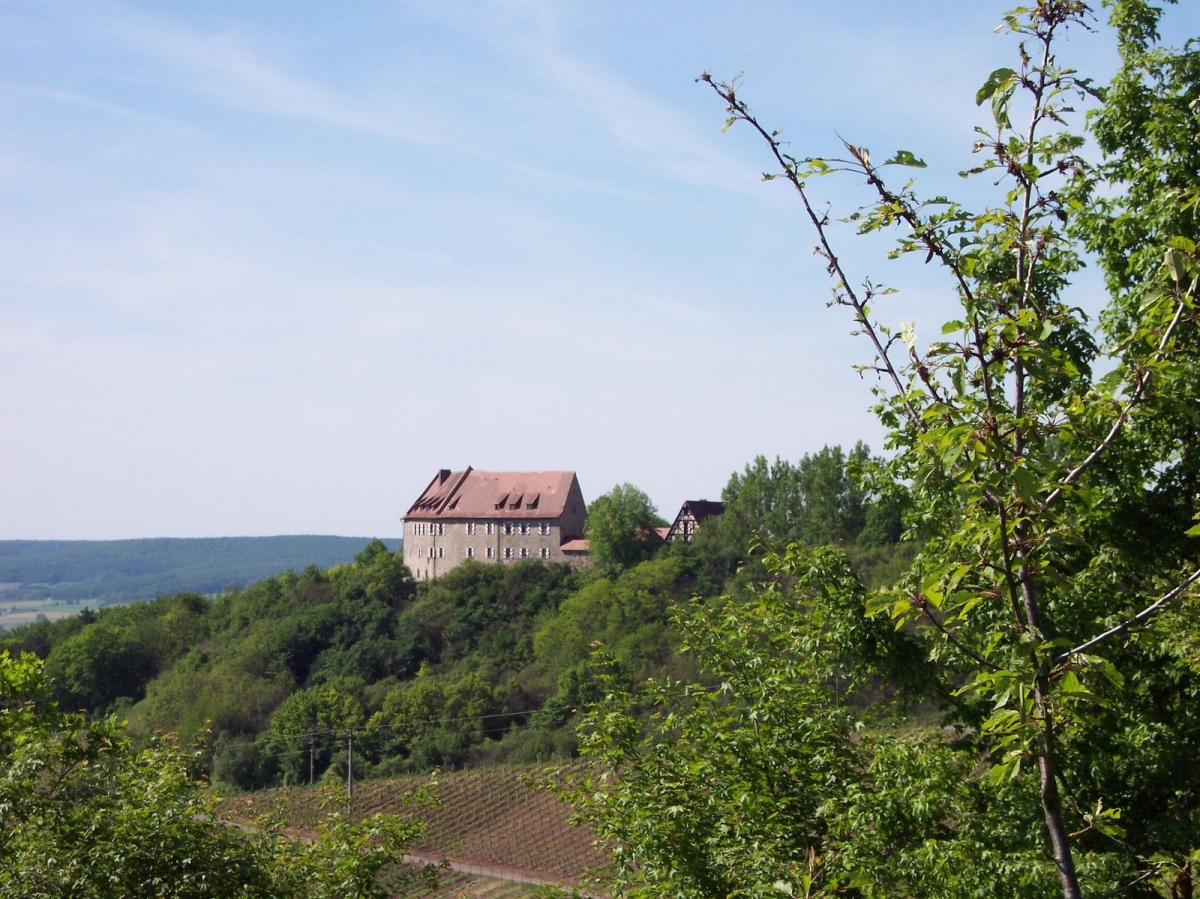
{"x": 114, "y": 572}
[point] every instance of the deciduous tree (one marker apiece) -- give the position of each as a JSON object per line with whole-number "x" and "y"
{"x": 1053, "y": 477}
{"x": 620, "y": 527}
{"x": 85, "y": 815}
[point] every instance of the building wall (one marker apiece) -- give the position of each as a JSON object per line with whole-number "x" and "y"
{"x": 444, "y": 545}
{"x": 434, "y": 546}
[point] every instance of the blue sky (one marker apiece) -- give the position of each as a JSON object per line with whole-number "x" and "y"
{"x": 265, "y": 267}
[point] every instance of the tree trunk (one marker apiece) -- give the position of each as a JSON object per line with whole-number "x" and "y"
{"x": 1060, "y": 839}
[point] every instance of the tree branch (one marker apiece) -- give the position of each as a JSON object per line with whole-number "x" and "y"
{"x": 739, "y": 110}
{"x": 1142, "y": 380}
{"x": 1130, "y": 622}
{"x": 941, "y": 628}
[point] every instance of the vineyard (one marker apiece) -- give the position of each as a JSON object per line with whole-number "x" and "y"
{"x": 495, "y": 822}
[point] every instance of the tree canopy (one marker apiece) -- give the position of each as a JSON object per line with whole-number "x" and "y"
{"x": 85, "y": 814}
{"x": 620, "y": 527}
{"x": 1052, "y": 476}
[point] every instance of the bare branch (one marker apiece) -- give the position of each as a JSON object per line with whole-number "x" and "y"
{"x": 1136, "y": 619}
{"x": 738, "y": 110}
{"x": 1143, "y": 379}
{"x": 1006, "y": 554}
{"x": 941, "y": 628}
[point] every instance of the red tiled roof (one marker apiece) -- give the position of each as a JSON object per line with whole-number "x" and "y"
{"x": 578, "y": 545}
{"x": 494, "y": 494}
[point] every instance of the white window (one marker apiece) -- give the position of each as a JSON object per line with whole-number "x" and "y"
{"x": 491, "y": 552}
{"x": 491, "y": 528}
{"x": 524, "y": 552}
{"x": 470, "y": 552}
{"x": 545, "y": 552}
{"x": 470, "y": 528}
{"x": 441, "y": 529}
{"x": 524, "y": 527}
{"x": 420, "y": 552}
{"x": 544, "y": 528}
{"x": 441, "y": 552}
{"x": 508, "y": 527}
{"x": 508, "y": 552}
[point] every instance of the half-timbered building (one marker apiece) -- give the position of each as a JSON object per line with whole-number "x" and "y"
{"x": 691, "y": 514}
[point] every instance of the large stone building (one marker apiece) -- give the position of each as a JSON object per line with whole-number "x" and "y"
{"x": 493, "y": 516}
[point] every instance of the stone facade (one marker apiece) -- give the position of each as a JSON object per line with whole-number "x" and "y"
{"x": 501, "y": 517}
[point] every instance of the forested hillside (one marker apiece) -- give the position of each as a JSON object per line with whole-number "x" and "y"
{"x": 106, "y": 572}
{"x": 1052, "y": 460}
{"x": 489, "y": 662}
{"x": 969, "y": 670}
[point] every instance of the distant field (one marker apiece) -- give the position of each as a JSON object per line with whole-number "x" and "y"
{"x": 60, "y": 577}
{"x": 13, "y": 614}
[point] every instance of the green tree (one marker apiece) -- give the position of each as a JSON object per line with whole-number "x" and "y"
{"x": 764, "y": 501}
{"x": 1054, "y": 588}
{"x": 83, "y": 814}
{"x": 817, "y": 501}
{"x": 331, "y": 710}
{"x": 620, "y": 527}
{"x": 628, "y": 614}
{"x": 101, "y": 663}
{"x": 428, "y": 724}
{"x": 767, "y": 784}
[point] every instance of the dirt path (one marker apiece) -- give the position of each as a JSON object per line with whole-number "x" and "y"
{"x": 496, "y": 873}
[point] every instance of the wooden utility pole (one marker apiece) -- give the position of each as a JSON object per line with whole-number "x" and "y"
{"x": 350, "y": 764}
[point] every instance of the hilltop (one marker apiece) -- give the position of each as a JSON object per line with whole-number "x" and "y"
{"x": 487, "y": 663}
{"x": 56, "y": 577}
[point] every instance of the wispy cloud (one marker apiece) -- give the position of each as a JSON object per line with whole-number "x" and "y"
{"x": 228, "y": 68}
{"x": 646, "y": 131}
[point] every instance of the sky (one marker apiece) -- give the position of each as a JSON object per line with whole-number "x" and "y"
{"x": 265, "y": 268}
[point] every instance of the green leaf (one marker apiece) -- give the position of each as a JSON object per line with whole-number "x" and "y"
{"x": 906, "y": 157}
{"x": 1176, "y": 264}
{"x": 994, "y": 81}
